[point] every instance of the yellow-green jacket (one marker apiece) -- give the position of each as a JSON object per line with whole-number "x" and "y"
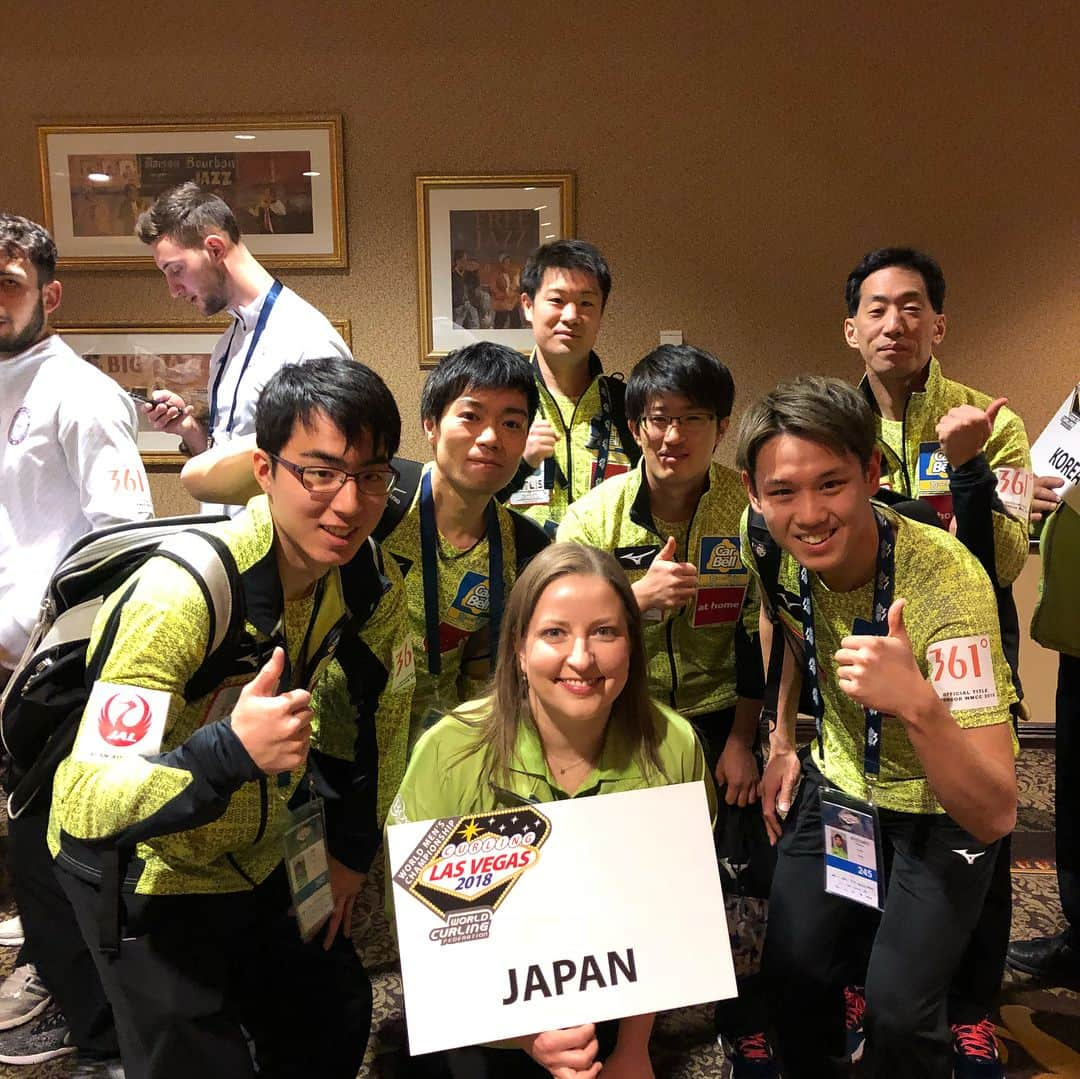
{"x": 705, "y": 655}
{"x": 543, "y": 494}
{"x": 199, "y": 816}
{"x": 998, "y": 539}
{"x": 1056, "y": 621}
{"x": 463, "y": 609}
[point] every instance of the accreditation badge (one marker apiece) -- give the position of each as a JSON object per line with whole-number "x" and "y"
{"x": 853, "y": 862}
{"x": 532, "y": 492}
{"x": 308, "y": 867}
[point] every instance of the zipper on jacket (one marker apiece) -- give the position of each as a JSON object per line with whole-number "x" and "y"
{"x": 236, "y": 865}
{"x": 263, "y": 799}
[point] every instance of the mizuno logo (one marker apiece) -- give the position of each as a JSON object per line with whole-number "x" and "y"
{"x": 969, "y": 856}
{"x": 636, "y": 556}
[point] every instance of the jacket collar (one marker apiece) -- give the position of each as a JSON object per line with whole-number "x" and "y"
{"x": 596, "y": 369}
{"x": 264, "y": 598}
{"x": 641, "y": 507}
{"x": 617, "y": 759}
{"x": 931, "y": 388}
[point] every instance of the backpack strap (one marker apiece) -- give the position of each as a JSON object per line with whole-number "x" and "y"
{"x": 529, "y": 540}
{"x": 617, "y": 389}
{"x": 211, "y": 564}
{"x": 401, "y": 497}
{"x": 765, "y": 552}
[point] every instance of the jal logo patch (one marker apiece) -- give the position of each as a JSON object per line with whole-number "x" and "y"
{"x": 933, "y": 476}
{"x": 464, "y": 868}
{"x": 19, "y": 427}
{"x": 122, "y": 721}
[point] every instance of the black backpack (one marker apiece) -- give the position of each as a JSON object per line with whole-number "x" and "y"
{"x": 42, "y": 705}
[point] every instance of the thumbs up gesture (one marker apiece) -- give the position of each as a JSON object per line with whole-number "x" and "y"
{"x": 668, "y": 583}
{"x": 963, "y": 430}
{"x": 881, "y": 672}
{"x": 275, "y": 728}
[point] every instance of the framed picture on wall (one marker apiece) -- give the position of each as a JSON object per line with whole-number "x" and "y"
{"x": 165, "y": 356}
{"x": 282, "y": 177}
{"x": 474, "y": 234}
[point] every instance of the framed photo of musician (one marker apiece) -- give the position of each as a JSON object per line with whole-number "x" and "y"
{"x": 474, "y": 234}
{"x": 282, "y": 177}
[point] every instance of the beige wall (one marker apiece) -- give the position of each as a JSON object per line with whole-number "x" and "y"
{"x": 733, "y": 160}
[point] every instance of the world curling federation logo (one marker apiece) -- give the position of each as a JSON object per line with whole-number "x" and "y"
{"x": 464, "y": 867}
{"x": 124, "y": 719}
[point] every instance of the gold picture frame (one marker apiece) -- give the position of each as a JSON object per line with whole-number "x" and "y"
{"x": 497, "y": 221}
{"x": 283, "y": 177}
{"x": 162, "y": 355}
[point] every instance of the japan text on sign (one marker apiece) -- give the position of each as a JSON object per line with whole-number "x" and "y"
{"x": 560, "y": 913}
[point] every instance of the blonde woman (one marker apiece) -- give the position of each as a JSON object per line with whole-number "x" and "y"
{"x": 568, "y": 716}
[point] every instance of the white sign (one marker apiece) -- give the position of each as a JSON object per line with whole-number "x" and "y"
{"x": 1057, "y": 450}
{"x": 538, "y": 917}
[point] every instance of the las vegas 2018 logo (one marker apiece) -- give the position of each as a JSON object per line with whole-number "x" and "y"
{"x": 464, "y": 867}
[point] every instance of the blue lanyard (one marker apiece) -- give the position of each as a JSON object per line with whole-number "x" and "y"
{"x": 260, "y": 325}
{"x": 429, "y": 541}
{"x": 884, "y": 579}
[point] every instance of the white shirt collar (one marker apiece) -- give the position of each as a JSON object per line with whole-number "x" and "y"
{"x": 249, "y": 314}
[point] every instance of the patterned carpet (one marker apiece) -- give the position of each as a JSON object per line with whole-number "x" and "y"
{"x": 1039, "y": 1026}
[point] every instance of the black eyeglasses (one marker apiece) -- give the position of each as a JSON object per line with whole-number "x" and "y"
{"x": 691, "y": 423}
{"x": 325, "y": 481}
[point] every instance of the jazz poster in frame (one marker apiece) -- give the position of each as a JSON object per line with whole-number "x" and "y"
{"x": 282, "y": 177}
{"x": 474, "y": 235}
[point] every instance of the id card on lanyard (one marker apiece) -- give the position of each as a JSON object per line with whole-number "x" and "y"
{"x": 538, "y": 486}
{"x": 429, "y": 547}
{"x": 851, "y": 828}
{"x": 260, "y": 325}
{"x": 306, "y": 856}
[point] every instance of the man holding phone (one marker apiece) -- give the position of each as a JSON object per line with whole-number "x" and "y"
{"x": 198, "y": 247}
{"x": 69, "y": 463}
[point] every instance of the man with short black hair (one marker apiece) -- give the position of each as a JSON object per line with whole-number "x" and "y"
{"x": 673, "y": 524}
{"x": 459, "y": 550}
{"x": 197, "y": 245}
{"x": 968, "y": 455}
{"x": 581, "y": 437}
{"x": 892, "y": 625}
{"x": 243, "y": 794}
{"x": 69, "y": 463}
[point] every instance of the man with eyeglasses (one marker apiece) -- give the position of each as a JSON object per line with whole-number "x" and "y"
{"x": 673, "y": 524}
{"x": 459, "y": 550}
{"x": 183, "y": 839}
